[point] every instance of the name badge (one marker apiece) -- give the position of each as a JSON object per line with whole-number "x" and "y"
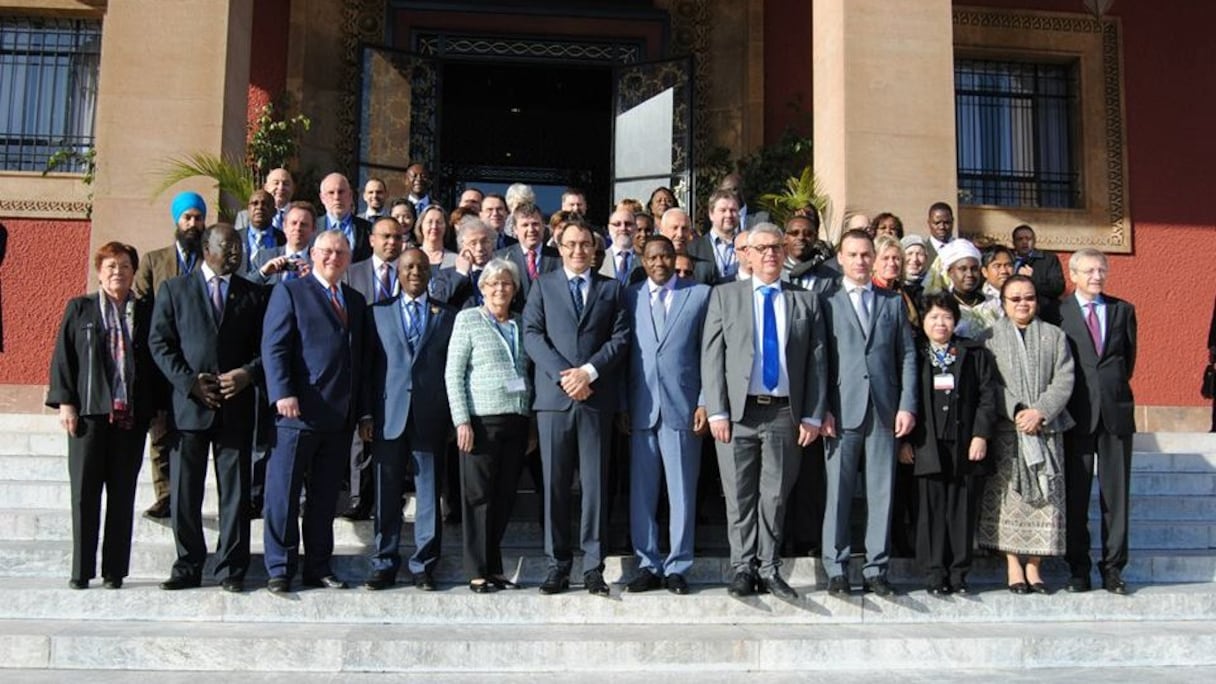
{"x": 943, "y": 381}
{"x": 516, "y": 385}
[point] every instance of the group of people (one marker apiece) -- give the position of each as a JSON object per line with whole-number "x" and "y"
{"x": 950, "y": 385}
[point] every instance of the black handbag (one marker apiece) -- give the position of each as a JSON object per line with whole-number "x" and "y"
{"x": 1208, "y": 390}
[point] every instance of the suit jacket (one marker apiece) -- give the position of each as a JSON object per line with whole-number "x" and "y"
{"x": 555, "y": 339}
{"x": 1048, "y": 279}
{"x": 728, "y": 344}
{"x": 79, "y": 373}
{"x": 454, "y": 289}
{"x": 636, "y": 272}
{"x": 825, "y": 279}
{"x": 186, "y": 340}
{"x": 362, "y": 276}
{"x": 972, "y": 411}
{"x": 878, "y": 365}
{"x": 550, "y": 260}
{"x": 253, "y": 262}
{"x": 309, "y": 354}
{"x": 665, "y": 367}
{"x": 702, "y": 249}
{"x": 155, "y": 268}
{"x": 394, "y": 373}
{"x": 1102, "y": 388}
{"x": 362, "y": 248}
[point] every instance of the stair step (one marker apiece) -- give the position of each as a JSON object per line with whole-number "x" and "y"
{"x": 334, "y": 647}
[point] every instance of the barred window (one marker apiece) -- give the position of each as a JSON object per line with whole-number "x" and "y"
{"x": 1016, "y": 126}
{"x": 48, "y": 90}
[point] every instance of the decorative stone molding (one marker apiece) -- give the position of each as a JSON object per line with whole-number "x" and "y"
{"x": 54, "y": 196}
{"x": 1104, "y": 219}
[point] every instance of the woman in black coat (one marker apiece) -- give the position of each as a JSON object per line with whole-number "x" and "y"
{"x": 101, "y": 381}
{"x": 948, "y": 446}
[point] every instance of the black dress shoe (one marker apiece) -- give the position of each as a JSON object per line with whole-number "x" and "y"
{"x": 938, "y": 588}
{"x": 1039, "y": 588}
{"x": 233, "y": 585}
{"x": 176, "y": 583}
{"x": 278, "y": 585}
{"x": 645, "y": 581}
{"x": 502, "y": 583}
{"x": 326, "y": 582}
{"x": 357, "y": 513}
{"x": 555, "y": 582}
{"x": 1112, "y": 581}
{"x": 744, "y": 584}
{"x": 777, "y": 587}
{"x": 482, "y": 586}
{"x": 961, "y": 587}
{"x": 112, "y": 583}
{"x": 1077, "y": 585}
{"x": 425, "y": 582}
{"x": 594, "y": 581}
{"x": 676, "y": 583}
{"x": 1019, "y": 588}
{"x": 158, "y": 510}
{"x": 839, "y": 586}
{"x": 879, "y": 586}
{"x": 78, "y": 584}
{"x": 380, "y": 580}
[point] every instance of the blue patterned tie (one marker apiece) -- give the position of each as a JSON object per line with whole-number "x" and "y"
{"x": 414, "y": 332}
{"x": 769, "y": 349}
{"x": 576, "y": 295}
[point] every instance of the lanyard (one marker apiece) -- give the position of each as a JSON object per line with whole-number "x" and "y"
{"x": 506, "y": 331}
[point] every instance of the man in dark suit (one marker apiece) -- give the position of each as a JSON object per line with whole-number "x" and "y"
{"x": 676, "y": 226}
{"x": 1101, "y": 332}
{"x": 281, "y": 187}
{"x": 871, "y": 403}
{"x": 376, "y": 280}
{"x": 259, "y": 237}
{"x": 717, "y": 247}
{"x": 189, "y": 213}
{"x": 576, "y": 333}
{"x": 621, "y": 260}
{"x": 339, "y": 203}
{"x": 291, "y": 260}
{"x": 458, "y": 286}
{"x": 763, "y": 370}
{"x": 407, "y": 346}
{"x": 666, "y": 414}
{"x": 312, "y": 347}
{"x": 531, "y": 255}
{"x": 205, "y": 336}
{"x": 1044, "y": 271}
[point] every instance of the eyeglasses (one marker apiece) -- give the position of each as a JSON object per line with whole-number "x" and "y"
{"x": 578, "y": 246}
{"x": 765, "y": 249}
{"x": 1019, "y": 300}
{"x": 327, "y": 252}
{"x": 684, "y": 272}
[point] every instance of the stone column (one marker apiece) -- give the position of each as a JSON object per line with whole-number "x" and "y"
{"x": 884, "y": 107}
{"x": 174, "y": 80}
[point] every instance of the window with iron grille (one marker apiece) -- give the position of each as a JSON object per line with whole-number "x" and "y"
{"x": 48, "y": 90}
{"x": 1015, "y": 124}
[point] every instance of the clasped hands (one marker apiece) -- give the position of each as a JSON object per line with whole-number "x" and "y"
{"x": 1029, "y": 421}
{"x": 213, "y": 389}
{"x": 576, "y": 383}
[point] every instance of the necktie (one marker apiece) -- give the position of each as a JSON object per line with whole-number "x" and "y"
{"x": 217, "y": 299}
{"x": 729, "y": 264}
{"x": 475, "y": 276}
{"x": 863, "y": 312}
{"x": 532, "y": 272}
{"x": 770, "y": 350}
{"x": 386, "y": 285}
{"x": 277, "y": 221}
{"x": 658, "y": 310}
{"x": 622, "y": 267}
{"x": 576, "y": 295}
{"x": 337, "y": 304}
{"x": 1095, "y": 330}
{"x": 414, "y": 329}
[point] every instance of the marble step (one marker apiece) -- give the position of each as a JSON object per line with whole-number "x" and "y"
{"x": 687, "y": 648}
{"x": 528, "y": 565}
{"x": 454, "y": 605}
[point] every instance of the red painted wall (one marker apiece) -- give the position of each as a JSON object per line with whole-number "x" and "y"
{"x": 41, "y": 272}
{"x": 268, "y": 53}
{"x": 787, "y": 68}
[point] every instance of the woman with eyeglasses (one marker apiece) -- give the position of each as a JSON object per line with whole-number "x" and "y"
{"x": 1022, "y": 511}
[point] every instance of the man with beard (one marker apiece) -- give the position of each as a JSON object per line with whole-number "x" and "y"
{"x": 281, "y": 187}
{"x": 374, "y": 193}
{"x": 260, "y": 237}
{"x": 189, "y": 213}
{"x": 621, "y": 261}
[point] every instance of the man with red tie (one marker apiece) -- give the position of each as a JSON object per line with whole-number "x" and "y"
{"x": 531, "y": 256}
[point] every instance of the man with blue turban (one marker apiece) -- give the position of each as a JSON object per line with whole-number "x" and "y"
{"x": 189, "y": 212}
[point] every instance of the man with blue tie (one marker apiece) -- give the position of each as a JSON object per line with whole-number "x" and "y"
{"x": 205, "y": 340}
{"x": 872, "y": 389}
{"x": 407, "y": 346}
{"x": 259, "y": 237}
{"x": 312, "y": 347}
{"x": 621, "y": 261}
{"x": 577, "y": 335}
{"x": 763, "y": 373}
{"x": 339, "y": 202}
{"x": 666, "y": 414}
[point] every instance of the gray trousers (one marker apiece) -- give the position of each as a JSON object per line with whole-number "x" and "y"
{"x": 871, "y": 443}
{"x": 758, "y": 469}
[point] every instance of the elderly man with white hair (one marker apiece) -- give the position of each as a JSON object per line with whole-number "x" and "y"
{"x": 459, "y": 285}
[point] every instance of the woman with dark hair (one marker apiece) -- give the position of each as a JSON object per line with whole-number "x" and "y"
{"x": 949, "y": 445}
{"x": 660, "y": 201}
{"x": 1022, "y": 512}
{"x": 403, "y": 211}
{"x": 102, "y": 385}
{"x": 887, "y": 223}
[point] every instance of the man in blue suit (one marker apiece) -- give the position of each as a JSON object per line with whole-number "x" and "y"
{"x": 311, "y": 350}
{"x": 871, "y": 402}
{"x": 407, "y": 347}
{"x": 666, "y": 414}
{"x": 577, "y": 335}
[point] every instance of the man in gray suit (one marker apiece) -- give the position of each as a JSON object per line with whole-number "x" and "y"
{"x": 666, "y": 417}
{"x": 259, "y": 237}
{"x": 763, "y": 373}
{"x": 872, "y": 402}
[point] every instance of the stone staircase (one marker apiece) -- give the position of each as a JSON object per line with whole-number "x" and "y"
{"x": 142, "y": 632}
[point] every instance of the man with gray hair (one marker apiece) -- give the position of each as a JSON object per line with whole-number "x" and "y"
{"x": 458, "y": 285}
{"x": 339, "y": 203}
{"x": 764, "y": 371}
{"x": 676, "y": 225}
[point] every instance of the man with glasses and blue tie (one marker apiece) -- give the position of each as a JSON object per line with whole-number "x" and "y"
{"x": 577, "y": 335}
{"x": 622, "y": 262}
{"x": 763, "y": 374}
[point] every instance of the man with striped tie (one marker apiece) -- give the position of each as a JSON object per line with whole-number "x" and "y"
{"x": 622, "y": 262}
